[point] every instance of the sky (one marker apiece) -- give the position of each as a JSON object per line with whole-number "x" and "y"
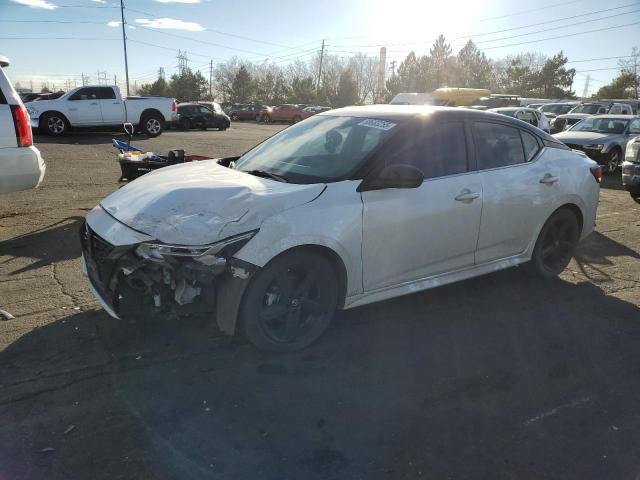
{"x": 60, "y": 40}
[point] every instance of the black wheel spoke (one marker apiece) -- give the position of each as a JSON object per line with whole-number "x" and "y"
{"x": 307, "y": 284}
{"x": 293, "y": 323}
{"x": 274, "y": 312}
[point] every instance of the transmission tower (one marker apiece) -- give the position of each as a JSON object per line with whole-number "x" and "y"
{"x": 183, "y": 61}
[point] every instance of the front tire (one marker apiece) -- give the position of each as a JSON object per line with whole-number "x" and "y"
{"x": 290, "y": 302}
{"x": 556, "y": 244}
{"x": 152, "y": 124}
{"x": 54, "y": 124}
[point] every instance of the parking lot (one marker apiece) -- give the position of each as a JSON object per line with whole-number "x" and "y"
{"x": 502, "y": 376}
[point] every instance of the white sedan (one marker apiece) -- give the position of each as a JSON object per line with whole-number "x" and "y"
{"x": 21, "y": 166}
{"x": 346, "y": 208}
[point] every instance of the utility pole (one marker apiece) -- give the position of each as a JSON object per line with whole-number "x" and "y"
{"x": 115, "y": 80}
{"x": 320, "y": 69}
{"x": 124, "y": 42}
{"x": 393, "y": 67}
{"x": 381, "y": 71}
{"x": 211, "y": 80}
{"x": 585, "y": 92}
{"x": 31, "y": 82}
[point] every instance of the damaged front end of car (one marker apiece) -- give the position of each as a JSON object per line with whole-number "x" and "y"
{"x": 167, "y": 281}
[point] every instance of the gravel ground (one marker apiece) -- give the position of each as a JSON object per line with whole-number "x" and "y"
{"x": 502, "y": 376}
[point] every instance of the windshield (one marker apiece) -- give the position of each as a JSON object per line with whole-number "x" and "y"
{"x": 558, "y": 109}
{"x": 601, "y": 125}
{"x": 319, "y": 149}
{"x": 590, "y": 109}
{"x": 508, "y": 113}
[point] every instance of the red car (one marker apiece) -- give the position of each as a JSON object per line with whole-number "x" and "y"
{"x": 247, "y": 112}
{"x": 285, "y": 113}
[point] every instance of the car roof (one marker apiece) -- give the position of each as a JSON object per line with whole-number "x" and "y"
{"x": 616, "y": 117}
{"x": 510, "y": 109}
{"x": 403, "y": 112}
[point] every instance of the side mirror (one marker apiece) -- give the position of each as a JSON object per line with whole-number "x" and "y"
{"x": 392, "y": 176}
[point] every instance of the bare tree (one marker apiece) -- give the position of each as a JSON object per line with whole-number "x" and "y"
{"x": 631, "y": 66}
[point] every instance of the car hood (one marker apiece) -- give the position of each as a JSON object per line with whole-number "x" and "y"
{"x": 202, "y": 202}
{"x": 584, "y": 138}
{"x": 42, "y": 105}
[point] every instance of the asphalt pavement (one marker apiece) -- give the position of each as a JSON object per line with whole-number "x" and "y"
{"x": 499, "y": 377}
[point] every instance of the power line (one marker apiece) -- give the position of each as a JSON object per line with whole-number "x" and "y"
{"x": 563, "y": 36}
{"x": 556, "y": 28}
{"x": 510, "y": 29}
{"x": 11, "y": 4}
{"x": 522, "y": 12}
{"x": 598, "y": 59}
{"x": 219, "y": 32}
{"x": 60, "y": 38}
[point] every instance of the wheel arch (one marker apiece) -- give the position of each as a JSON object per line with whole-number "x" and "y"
{"x": 151, "y": 111}
{"x": 576, "y": 210}
{"x": 52, "y": 112}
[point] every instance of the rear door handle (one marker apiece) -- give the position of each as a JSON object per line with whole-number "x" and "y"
{"x": 549, "y": 179}
{"x": 93, "y": 103}
{"x": 467, "y": 196}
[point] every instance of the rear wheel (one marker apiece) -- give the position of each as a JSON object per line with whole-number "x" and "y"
{"x": 185, "y": 124}
{"x": 296, "y": 119}
{"x": 290, "y": 302}
{"x": 54, "y": 124}
{"x": 266, "y": 119}
{"x": 152, "y": 124}
{"x": 635, "y": 193}
{"x": 556, "y": 244}
{"x": 234, "y": 117}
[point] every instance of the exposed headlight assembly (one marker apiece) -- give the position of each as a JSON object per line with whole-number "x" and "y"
{"x": 633, "y": 151}
{"x": 204, "y": 254}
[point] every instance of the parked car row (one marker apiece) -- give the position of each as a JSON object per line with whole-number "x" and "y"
{"x": 289, "y": 112}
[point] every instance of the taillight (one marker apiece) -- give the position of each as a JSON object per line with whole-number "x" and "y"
{"x": 597, "y": 173}
{"x": 22, "y": 124}
{"x": 174, "y": 106}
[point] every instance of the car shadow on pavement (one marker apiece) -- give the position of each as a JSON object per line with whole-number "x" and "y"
{"x": 522, "y": 378}
{"x": 86, "y": 138}
{"x": 50, "y": 244}
{"x": 595, "y": 252}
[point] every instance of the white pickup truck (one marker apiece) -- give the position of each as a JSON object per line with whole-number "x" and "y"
{"x": 101, "y": 106}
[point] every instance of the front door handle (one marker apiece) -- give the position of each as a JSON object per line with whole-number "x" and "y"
{"x": 93, "y": 103}
{"x": 549, "y": 179}
{"x": 467, "y": 196}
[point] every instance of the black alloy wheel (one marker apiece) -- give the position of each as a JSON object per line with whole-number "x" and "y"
{"x": 556, "y": 244}
{"x": 290, "y": 302}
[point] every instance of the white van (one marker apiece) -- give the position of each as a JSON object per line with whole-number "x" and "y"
{"x": 21, "y": 166}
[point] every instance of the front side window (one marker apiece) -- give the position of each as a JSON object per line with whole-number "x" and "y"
{"x": 205, "y": 110}
{"x": 89, "y": 93}
{"x": 497, "y": 145}
{"x": 320, "y": 149}
{"x": 437, "y": 150}
{"x": 634, "y": 127}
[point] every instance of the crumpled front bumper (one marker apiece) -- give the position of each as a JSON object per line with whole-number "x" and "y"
{"x": 103, "y": 302}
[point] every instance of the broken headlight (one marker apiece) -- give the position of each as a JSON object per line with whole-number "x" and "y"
{"x": 206, "y": 254}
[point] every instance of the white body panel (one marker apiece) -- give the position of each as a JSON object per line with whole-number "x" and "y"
{"x": 21, "y": 168}
{"x": 96, "y": 112}
{"x": 410, "y": 234}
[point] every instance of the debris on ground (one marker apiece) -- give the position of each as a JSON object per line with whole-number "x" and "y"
{"x": 69, "y": 429}
{"x": 47, "y": 449}
{"x": 4, "y": 315}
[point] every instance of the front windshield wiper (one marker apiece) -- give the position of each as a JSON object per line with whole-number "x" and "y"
{"x": 265, "y": 174}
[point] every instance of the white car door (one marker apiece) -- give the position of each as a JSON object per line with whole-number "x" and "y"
{"x": 410, "y": 234}
{"x": 112, "y": 108}
{"x": 83, "y": 107}
{"x": 519, "y": 190}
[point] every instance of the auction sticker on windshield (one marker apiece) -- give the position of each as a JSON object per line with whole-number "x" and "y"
{"x": 379, "y": 124}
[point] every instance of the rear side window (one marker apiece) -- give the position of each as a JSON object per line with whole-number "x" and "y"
{"x": 530, "y": 144}
{"x": 437, "y": 150}
{"x": 106, "y": 93}
{"x": 497, "y": 145}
